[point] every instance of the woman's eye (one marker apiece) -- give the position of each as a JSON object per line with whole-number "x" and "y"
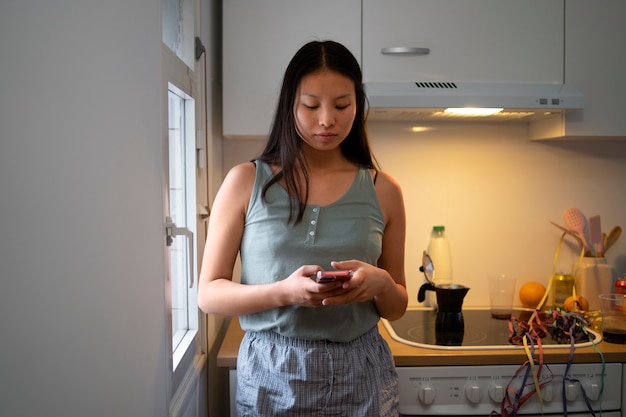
{"x": 310, "y": 106}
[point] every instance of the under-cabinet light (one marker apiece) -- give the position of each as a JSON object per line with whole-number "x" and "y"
{"x": 419, "y": 129}
{"x": 473, "y": 111}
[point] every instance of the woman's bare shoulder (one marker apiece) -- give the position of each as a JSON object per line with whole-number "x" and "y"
{"x": 243, "y": 173}
{"x": 387, "y": 185}
{"x": 238, "y": 184}
{"x": 391, "y": 202}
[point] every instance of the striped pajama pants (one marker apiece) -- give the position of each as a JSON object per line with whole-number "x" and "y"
{"x": 281, "y": 376}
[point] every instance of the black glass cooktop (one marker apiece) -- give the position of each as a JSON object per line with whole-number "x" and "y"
{"x": 477, "y": 331}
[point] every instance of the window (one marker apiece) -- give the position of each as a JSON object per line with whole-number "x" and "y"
{"x": 182, "y": 219}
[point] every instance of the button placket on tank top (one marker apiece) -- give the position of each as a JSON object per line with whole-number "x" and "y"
{"x": 314, "y": 213}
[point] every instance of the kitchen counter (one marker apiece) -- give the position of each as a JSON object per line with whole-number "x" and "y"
{"x": 405, "y": 355}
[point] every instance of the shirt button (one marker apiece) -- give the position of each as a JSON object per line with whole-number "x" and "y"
{"x": 313, "y": 222}
{"x": 315, "y": 209}
{"x": 312, "y": 233}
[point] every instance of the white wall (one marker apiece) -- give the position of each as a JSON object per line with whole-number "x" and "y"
{"x": 495, "y": 192}
{"x": 82, "y": 314}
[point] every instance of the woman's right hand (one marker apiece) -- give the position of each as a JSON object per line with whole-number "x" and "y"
{"x": 303, "y": 291}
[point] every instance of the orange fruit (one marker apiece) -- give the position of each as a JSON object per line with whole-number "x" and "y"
{"x": 531, "y": 293}
{"x": 578, "y": 303}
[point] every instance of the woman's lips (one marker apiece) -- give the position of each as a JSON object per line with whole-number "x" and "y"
{"x": 326, "y": 136}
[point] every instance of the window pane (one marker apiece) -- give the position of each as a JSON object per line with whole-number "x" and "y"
{"x": 178, "y": 28}
{"x": 181, "y": 148}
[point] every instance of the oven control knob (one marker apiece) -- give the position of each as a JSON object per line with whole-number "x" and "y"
{"x": 426, "y": 394}
{"x": 593, "y": 391}
{"x": 496, "y": 392}
{"x": 547, "y": 393}
{"x": 570, "y": 392}
{"x": 472, "y": 392}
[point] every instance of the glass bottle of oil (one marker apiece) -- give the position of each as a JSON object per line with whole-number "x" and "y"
{"x": 562, "y": 287}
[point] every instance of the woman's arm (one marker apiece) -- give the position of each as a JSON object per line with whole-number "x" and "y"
{"x": 392, "y": 302}
{"x": 217, "y": 293}
{"x": 224, "y": 234}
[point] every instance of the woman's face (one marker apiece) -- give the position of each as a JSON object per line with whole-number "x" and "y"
{"x": 324, "y": 109}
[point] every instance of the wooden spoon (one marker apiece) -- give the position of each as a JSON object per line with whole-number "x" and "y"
{"x": 612, "y": 237}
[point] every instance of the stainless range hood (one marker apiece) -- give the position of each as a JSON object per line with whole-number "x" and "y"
{"x": 427, "y": 101}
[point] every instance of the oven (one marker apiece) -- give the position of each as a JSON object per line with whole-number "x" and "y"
{"x": 485, "y": 389}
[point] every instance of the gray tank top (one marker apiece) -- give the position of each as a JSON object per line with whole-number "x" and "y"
{"x": 350, "y": 228}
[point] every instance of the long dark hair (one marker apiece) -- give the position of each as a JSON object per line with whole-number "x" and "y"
{"x": 284, "y": 145}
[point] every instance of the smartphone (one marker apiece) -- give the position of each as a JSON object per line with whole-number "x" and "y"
{"x": 331, "y": 276}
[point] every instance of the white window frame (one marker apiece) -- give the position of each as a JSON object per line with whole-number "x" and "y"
{"x": 182, "y": 72}
{"x": 181, "y": 233}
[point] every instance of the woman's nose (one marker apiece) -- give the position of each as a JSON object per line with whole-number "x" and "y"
{"x": 327, "y": 117}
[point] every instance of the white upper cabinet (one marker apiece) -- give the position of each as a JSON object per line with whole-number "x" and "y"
{"x": 477, "y": 40}
{"x": 576, "y": 42}
{"x": 259, "y": 39}
{"x": 595, "y": 63}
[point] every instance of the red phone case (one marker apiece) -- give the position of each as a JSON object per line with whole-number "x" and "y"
{"x": 331, "y": 276}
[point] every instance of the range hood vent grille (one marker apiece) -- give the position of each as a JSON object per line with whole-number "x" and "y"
{"x": 435, "y": 84}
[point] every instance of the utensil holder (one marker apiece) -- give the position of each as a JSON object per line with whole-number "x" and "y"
{"x": 594, "y": 276}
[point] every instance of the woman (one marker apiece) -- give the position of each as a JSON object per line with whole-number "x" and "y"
{"x": 312, "y": 201}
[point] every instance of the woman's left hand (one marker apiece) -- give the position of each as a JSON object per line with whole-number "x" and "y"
{"x": 366, "y": 283}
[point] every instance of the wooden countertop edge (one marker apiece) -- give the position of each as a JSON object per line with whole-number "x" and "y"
{"x": 405, "y": 355}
